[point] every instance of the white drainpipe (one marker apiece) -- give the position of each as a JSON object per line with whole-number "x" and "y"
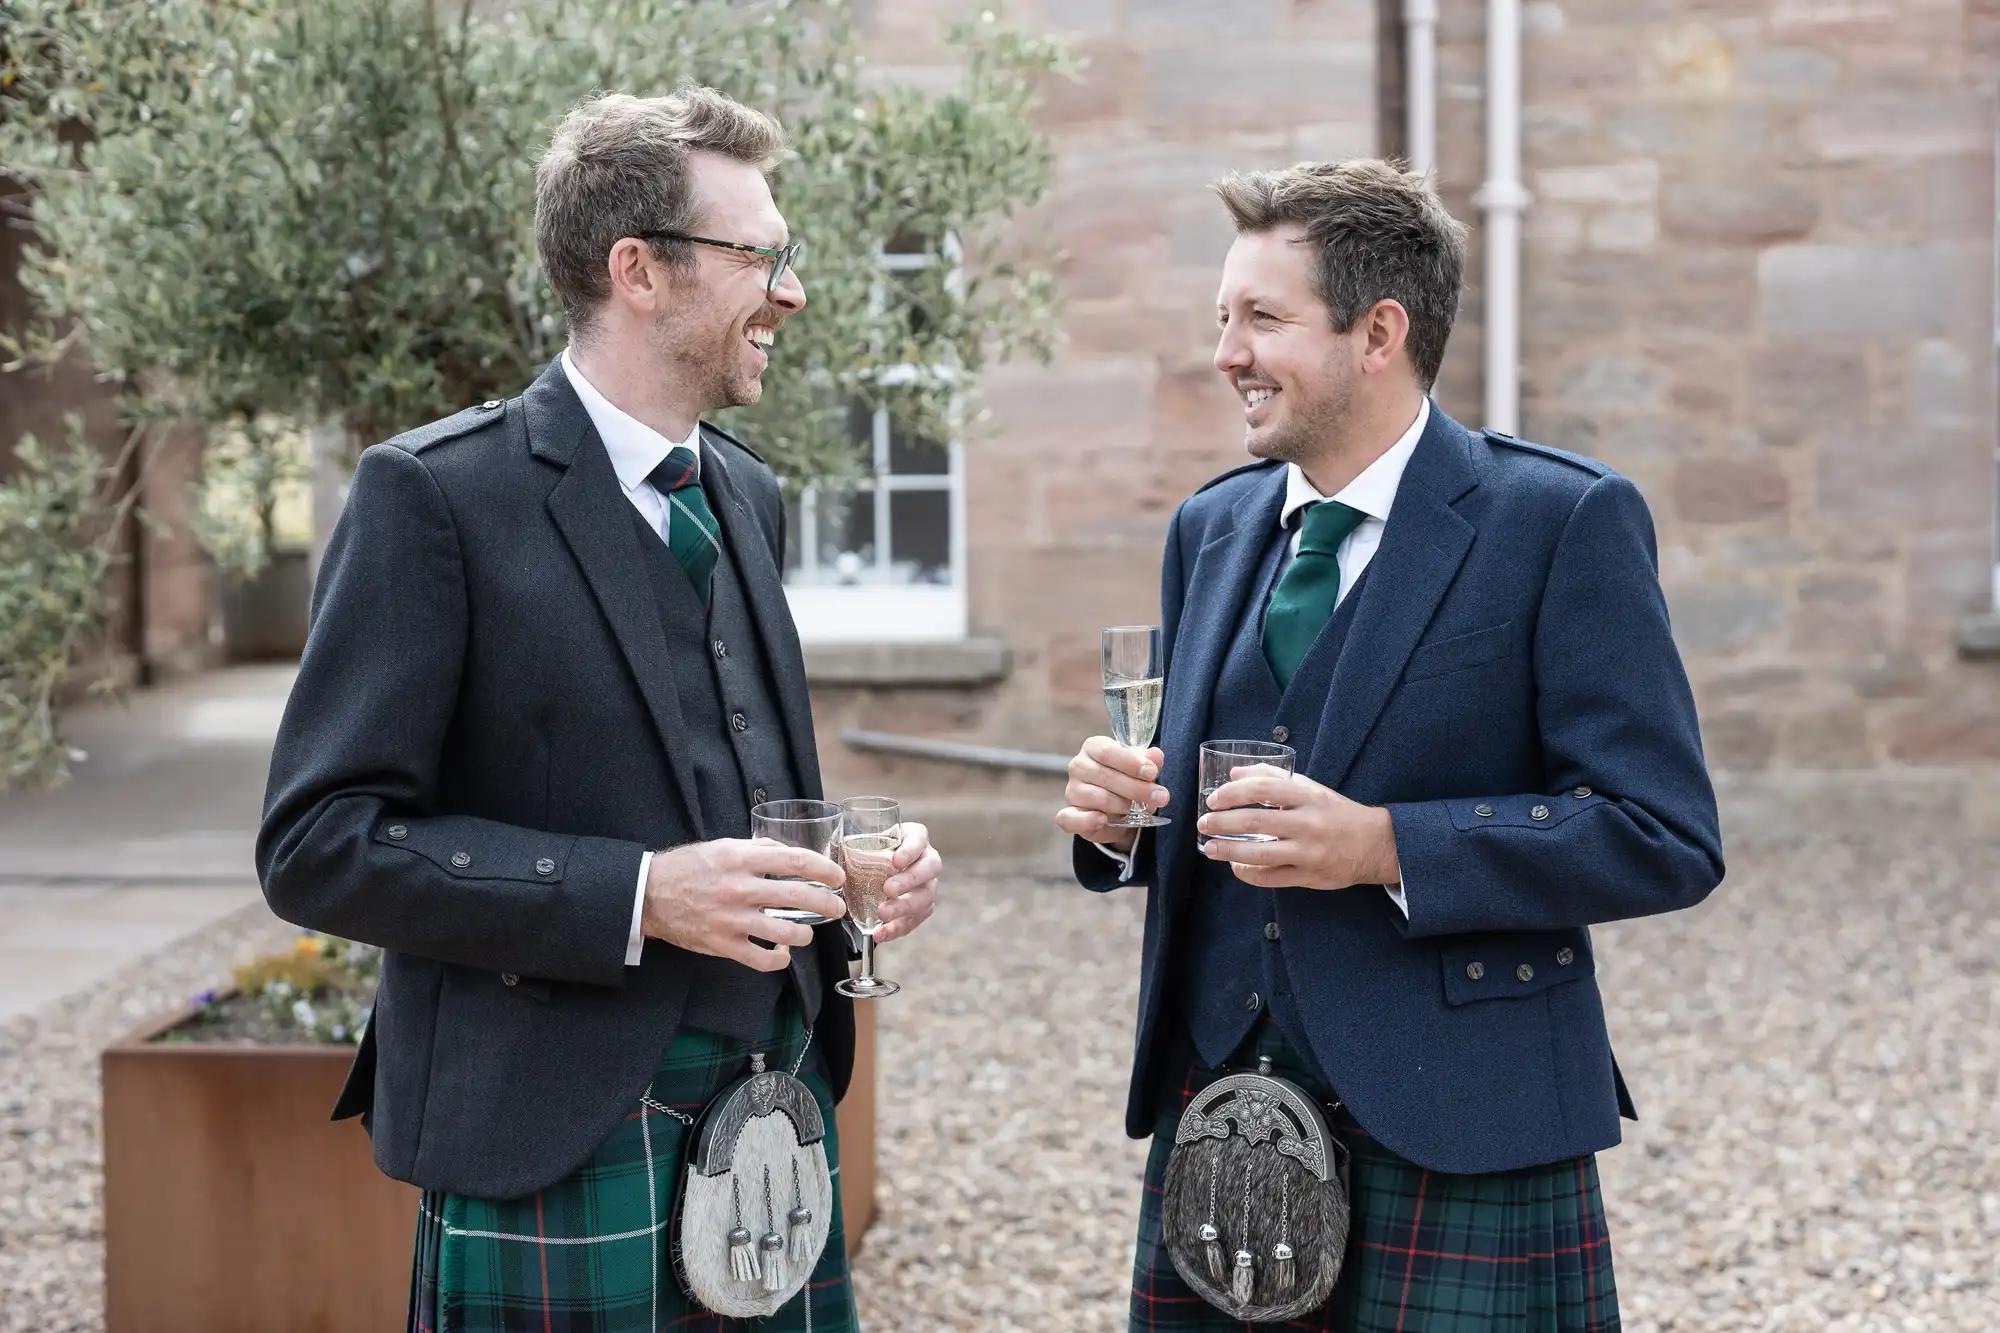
{"x": 1420, "y": 19}
{"x": 1503, "y": 197}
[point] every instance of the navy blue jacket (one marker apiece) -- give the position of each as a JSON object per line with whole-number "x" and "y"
{"x": 1510, "y": 690}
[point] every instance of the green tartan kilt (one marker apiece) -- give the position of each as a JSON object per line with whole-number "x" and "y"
{"x": 1513, "y": 1252}
{"x": 592, "y": 1252}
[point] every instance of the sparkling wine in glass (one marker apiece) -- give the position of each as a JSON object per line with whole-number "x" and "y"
{"x": 871, "y": 829}
{"x": 813, "y": 825}
{"x": 1220, "y": 758}
{"x": 1134, "y": 685}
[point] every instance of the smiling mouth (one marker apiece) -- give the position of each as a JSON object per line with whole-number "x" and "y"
{"x": 1254, "y": 399}
{"x": 761, "y": 337}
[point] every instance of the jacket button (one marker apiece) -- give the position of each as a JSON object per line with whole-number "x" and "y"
{"x": 1253, "y": 1002}
{"x": 1281, "y": 734}
{"x": 1539, "y": 812}
{"x": 461, "y": 859}
{"x": 1483, "y": 810}
{"x": 1581, "y": 793}
{"x": 759, "y": 796}
{"x": 490, "y": 405}
{"x": 1524, "y": 972}
{"x": 510, "y": 979}
{"x": 545, "y": 867}
{"x": 1475, "y": 970}
{"x": 721, "y": 650}
{"x": 1270, "y": 930}
{"x": 1565, "y": 956}
{"x": 740, "y": 722}
{"x": 398, "y": 832}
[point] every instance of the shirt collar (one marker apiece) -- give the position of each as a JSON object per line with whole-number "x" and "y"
{"x": 1374, "y": 491}
{"x": 635, "y": 448}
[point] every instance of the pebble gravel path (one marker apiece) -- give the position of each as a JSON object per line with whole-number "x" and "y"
{"x": 1816, "y": 1053}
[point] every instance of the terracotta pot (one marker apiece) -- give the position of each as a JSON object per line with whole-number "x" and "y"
{"x": 233, "y": 1205}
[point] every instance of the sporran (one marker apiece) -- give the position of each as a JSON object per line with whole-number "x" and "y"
{"x": 756, "y": 1199}
{"x": 1256, "y": 1213}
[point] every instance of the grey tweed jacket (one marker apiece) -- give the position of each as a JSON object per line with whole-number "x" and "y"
{"x": 483, "y": 740}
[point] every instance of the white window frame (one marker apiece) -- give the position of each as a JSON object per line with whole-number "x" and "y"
{"x": 882, "y": 612}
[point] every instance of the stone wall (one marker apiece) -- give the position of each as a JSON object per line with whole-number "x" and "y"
{"x": 1759, "y": 280}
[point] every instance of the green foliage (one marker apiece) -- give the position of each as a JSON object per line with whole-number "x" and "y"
{"x": 325, "y": 210}
{"x": 58, "y": 544}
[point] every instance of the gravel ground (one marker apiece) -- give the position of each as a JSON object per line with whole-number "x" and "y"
{"x": 1816, "y": 1052}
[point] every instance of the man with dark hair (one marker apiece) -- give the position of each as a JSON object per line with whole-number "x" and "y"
{"x": 1462, "y": 637}
{"x": 550, "y": 672}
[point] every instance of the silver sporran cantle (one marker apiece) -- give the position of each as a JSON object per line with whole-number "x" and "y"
{"x": 756, "y": 1201}
{"x": 1256, "y": 1211}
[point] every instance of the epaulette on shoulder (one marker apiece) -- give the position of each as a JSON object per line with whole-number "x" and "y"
{"x": 488, "y": 413}
{"x": 1237, "y": 472}
{"x": 717, "y": 430}
{"x": 1506, "y": 441}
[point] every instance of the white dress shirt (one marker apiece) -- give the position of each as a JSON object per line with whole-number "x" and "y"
{"x": 1373, "y": 492}
{"x": 635, "y": 449}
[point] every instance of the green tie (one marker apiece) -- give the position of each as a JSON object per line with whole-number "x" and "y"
{"x": 1303, "y": 601}
{"x": 692, "y": 533}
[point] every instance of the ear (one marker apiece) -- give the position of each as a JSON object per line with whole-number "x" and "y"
{"x": 1385, "y": 330}
{"x": 638, "y": 280}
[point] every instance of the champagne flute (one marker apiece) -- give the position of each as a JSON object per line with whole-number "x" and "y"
{"x": 871, "y": 829}
{"x": 1219, "y": 758}
{"x": 813, "y": 825}
{"x": 1134, "y": 684}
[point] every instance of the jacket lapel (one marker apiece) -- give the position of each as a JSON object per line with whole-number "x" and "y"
{"x": 1218, "y": 589}
{"x": 591, "y": 511}
{"x": 1423, "y": 545}
{"x": 764, "y": 589}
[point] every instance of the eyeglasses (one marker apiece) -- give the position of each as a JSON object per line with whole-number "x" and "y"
{"x": 784, "y": 259}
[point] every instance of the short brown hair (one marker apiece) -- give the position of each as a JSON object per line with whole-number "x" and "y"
{"x": 618, "y": 167}
{"x": 1377, "y": 234}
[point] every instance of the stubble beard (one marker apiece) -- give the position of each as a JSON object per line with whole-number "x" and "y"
{"x": 1312, "y": 422}
{"x": 707, "y": 359}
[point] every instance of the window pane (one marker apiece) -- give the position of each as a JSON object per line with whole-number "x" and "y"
{"x": 914, "y": 455}
{"x": 920, "y": 536}
{"x": 847, "y": 537}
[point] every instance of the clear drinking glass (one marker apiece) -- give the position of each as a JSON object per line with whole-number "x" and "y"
{"x": 1134, "y": 684}
{"x": 1218, "y": 758}
{"x": 813, "y": 825}
{"x": 871, "y": 829}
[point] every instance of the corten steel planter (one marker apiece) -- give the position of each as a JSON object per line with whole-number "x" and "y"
{"x": 233, "y": 1205}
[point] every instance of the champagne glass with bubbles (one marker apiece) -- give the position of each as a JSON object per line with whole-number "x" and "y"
{"x": 871, "y": 829}
{"x": 1134, "y": 683}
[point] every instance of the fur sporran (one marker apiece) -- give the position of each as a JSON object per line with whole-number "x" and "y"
{"x": 756, "y": 1202}
{"x": 1256, "y": 1212}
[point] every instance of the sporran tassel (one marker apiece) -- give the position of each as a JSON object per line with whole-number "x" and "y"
{"x": 773, "y": 1245}
{"x": 799, "y": 1222}
{"x": 1211, "y": 1237}
{"x": 1244, "y": 1278}
{"x": 742, "y": 1254}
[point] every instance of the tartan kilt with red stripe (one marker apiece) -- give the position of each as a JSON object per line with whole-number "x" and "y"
{"x": 591, "y": 1253}
{"x": 1513, "y": 1252}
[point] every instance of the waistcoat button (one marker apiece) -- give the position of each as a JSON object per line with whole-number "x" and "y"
{"x": 1270, "y": 930}
{"x": 740, "y": 722}
{"x": 1565, "y": 956}
{"x": 1281, "y": 734}
{"x": 1254, "y": 1002}
{"x": 758, "y": 797}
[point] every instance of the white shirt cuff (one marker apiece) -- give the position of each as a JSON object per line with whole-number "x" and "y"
{"x": 635, "y": 943}
{"x": 1124, "y": 859}
{"x": 1396, "y": 896}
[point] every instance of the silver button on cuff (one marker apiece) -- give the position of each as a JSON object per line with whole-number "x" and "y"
{"x": 1539, "y": 812}
{"x": 510, "y": 979}
{"x": 1565, "y": 956}
{"x": 1581, "y": 793}
{"x": 1524, "y": 972}
{"x": 461, "y": 859}
{"x": 1483, "y": 811}
{"x": 1475, "y": 970}
{"x": 1270, "y": 930}
{"x": 398, "y": 832}
{"x": 545, "y": 867}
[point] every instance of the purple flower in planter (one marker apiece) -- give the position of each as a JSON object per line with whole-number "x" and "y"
{"x": 204, "y": 999}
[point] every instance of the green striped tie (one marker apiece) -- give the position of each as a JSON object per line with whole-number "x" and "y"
{"x": 1304, "y": 599}
{"x": 692, "y": 533}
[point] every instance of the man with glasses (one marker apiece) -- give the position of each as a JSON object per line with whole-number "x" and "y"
{"x": 551, "y": 670}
